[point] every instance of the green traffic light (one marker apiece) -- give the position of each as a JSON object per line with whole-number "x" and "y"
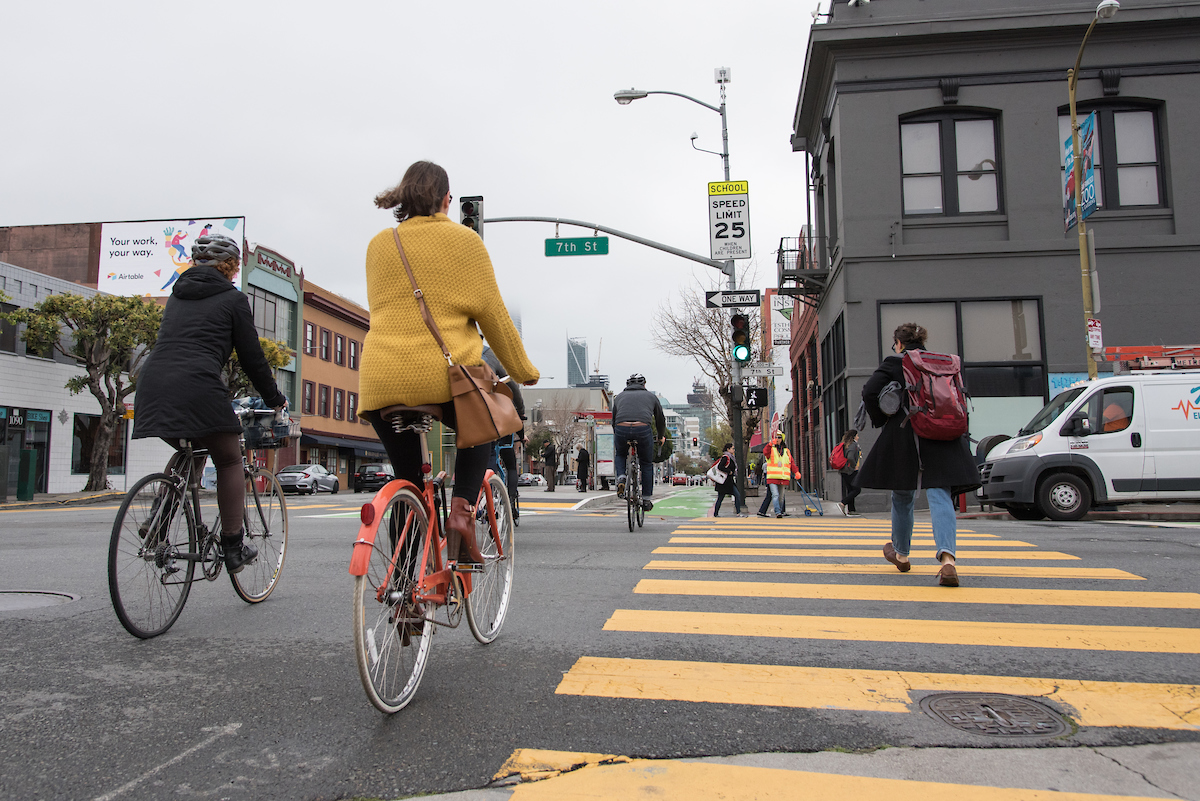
{"x": 741, "y": 353}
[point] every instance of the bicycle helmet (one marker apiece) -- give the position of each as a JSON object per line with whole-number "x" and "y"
{"x": 636, "y": 378}
{"x": 209, "y": 251}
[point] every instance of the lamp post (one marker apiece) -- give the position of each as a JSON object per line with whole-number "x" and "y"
{"x": 1107, "y": 9}
{"x": 627, "y": 96}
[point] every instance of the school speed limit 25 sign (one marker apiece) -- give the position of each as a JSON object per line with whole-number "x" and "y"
{"x": 729, "y": 219}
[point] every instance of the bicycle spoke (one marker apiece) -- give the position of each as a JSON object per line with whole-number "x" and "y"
{"x": 491, "y": 590}
{"x": 266, "y": 528}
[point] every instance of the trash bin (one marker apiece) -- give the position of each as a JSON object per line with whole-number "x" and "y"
{"x": 26, "y": 474}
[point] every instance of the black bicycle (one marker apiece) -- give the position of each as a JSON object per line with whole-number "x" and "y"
{"x": 633, "y": 487}
{"x": 159, "y": 537}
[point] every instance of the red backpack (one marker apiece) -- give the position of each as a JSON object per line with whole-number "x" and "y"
{"x": 837, "y": 459}
{"x": 937, "y": 399}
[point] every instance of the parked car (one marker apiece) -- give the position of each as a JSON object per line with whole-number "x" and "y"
{"x": 679, "y": 480}
{"x": 530, "y": 480}
{"x": 372, "y": 477}
{"x": 308, "y": 478}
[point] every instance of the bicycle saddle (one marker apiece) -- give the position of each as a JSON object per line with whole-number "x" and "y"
{"x": 415, "y": 418}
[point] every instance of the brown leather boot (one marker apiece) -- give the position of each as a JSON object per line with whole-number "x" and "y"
{"x": 462, "y": 522}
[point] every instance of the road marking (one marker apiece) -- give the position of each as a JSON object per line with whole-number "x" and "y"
{"x": 535, "y": 764}
{"x": 851, "y": 552}
{"x": 1092, "y": 703}
{"x": 1006, "y": 571}
{"x": 217, "y": 733}
{"x": 663, "y": 780}
{"x": 779, "y": 539}
{"x": 963, "y": 595}
{"x": 1142, "y": 639}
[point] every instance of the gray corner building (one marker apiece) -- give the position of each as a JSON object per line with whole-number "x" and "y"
{"x": 933, "y": 132}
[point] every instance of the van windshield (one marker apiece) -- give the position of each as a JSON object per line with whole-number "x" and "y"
{"x": 1051, "y": 410}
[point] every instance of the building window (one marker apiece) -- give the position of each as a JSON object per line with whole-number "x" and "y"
{"x": 352, "y": 406}
{"x": 950, "y": 164}
{"x": 309, "y": 390}
{"x": 286, "y": 380}
{"x": 339, "y": 349}
{"x": 263, "y": 305}
{"x": 310, "y": 339}
{"x": 84, "y": 436}
{"x": 8, "y": 331}
{"x": 353, "y": 355}
{"x": 1128, "y": 169}
{"x": 339, "y": 400}
{"x": 323, "y": 401}
{"x": 324, "y": 354}
{"x": 833, "y": 382}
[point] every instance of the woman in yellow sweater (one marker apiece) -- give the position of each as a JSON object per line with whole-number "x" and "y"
{"x": 401, "y": 361}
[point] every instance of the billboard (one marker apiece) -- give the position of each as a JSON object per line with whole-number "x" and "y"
{"x": 145, "y": 258}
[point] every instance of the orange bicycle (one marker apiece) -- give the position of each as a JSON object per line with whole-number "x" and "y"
{"x": 405, "y": 586}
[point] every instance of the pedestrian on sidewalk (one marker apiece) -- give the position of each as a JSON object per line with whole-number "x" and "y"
{"x": 779, "y": 469}
{"x": 583, "y": 459}
{"x": 727, "y": 465}
{"x": 549, "y": 464}
{"x": 903, "y": 462}
{"x": 849, "y": 471}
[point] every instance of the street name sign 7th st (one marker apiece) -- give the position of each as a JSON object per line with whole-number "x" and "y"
{"x": 725, "y": 300}
{"x": 761, "y": 369}
{"x": 577, "y": 246}
{"x": 729, "y": 219}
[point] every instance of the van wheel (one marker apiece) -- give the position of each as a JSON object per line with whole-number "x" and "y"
{"x": 1064, "y": 496}
{"x": 1022, "y": 512}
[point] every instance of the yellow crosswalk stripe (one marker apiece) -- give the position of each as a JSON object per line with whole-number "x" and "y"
{"x": 778, "y": 539}
{"x": 1006, "y": 571}
{"x": 1147, "y": 639}
{"x": 851, "y": 552}
{"x": 961, "y": 595}
{"x": 1091, "y": 703}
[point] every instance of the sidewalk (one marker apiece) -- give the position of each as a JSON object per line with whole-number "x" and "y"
{"x": 1081, "y": 773}
{"x": 49, "y": 500}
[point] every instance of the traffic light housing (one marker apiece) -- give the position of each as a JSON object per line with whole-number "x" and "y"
{"x": 740, "y": 336}
{"x": 695, "y": 442}
{"x": 471, "y": 213}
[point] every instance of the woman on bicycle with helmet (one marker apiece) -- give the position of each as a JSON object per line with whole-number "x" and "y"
{"x": 402, "y": 363}
{"x": 180, "y": 393}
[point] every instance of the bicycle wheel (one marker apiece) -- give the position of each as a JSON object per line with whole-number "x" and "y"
{"x": 491, "y": 590}
{"x": 516, "y": 509}
{"x": 266, "y": 526}
{"x": 149, "y": 572}
{"x": 638, "y": 512}
{"x": 390, "y": 650}
{"x": 631, "y": 479}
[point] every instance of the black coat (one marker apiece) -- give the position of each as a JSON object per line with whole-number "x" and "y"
{"x": 583, "y": 458}
{"x": 180, "y": 394}
{"x": 729, "y": 467}
{"x": 893, "y": 463}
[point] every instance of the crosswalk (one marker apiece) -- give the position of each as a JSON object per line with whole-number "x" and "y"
{"x": 534, "y": 505}
{"x": 837, "y": 561}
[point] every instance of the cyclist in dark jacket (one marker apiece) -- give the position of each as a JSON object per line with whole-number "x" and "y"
{"x": 180, "y": 394}
{"x": 637, "y": 415}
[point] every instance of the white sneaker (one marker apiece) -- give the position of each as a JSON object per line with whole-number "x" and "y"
{"x": 841, "y": 507}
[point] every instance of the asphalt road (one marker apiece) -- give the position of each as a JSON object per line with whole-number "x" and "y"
{"x": 264, "y": 702}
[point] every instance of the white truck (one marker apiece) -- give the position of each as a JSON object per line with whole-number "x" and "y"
{"x": 1128, "y": 438}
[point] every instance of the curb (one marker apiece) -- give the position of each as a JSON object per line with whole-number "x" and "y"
{"x": 47, "y": 504}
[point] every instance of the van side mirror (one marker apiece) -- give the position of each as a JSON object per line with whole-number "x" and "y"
{"x": 1078, "y": 426}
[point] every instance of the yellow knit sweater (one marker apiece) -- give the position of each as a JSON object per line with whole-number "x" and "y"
{"x": 401, "y": 362}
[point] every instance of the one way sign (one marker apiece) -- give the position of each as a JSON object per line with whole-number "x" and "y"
{"x": 725, "y": 300}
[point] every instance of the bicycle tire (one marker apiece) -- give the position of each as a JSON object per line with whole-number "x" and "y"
{"x": 632, "y": 479}
{"x": 639, "y": 513}
{"x": 491, "y": 591}
{"x": 391, "y": 662}
{"x": 516, "y": 508}
{"x": 152, "y": 530}
{"x": 266, "y": 527}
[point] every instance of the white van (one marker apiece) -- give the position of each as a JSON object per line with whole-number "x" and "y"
{"x": 1128, "y": 438}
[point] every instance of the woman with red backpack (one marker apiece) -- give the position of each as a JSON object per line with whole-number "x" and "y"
{"x": 845, "y": 459}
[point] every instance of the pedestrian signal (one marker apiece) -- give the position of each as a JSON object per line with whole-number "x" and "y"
{"x": 740, "y": 336}
{"x": 471, "y": 213}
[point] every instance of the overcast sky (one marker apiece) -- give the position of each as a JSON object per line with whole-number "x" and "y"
{"x": 295, "y": 114}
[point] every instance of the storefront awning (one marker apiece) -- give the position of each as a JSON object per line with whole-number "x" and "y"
{"x": 371, "y": 449}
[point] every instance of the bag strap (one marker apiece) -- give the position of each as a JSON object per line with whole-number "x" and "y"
{"x": 425, "y": 315}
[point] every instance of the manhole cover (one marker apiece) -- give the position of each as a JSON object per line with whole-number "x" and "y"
{"x": 12, "y": 600}
{"x": 995, "y": 715}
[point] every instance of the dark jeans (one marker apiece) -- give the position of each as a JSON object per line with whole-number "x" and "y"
{"x": 729, "y": 489}
{"x": 404, "y": 451}
{"x": 509, "y": 457}
{"x": 643, "y": 435}
{"x": 849, "y": 491}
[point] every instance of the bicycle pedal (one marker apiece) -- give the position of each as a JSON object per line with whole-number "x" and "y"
{"x": 469, "y": 567}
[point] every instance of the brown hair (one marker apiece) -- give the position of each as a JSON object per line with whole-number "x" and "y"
{"x": 850, "y": 434}
{"x": 229, "y": 268}
{"x": 910, "y": 335}
{"x": 419, "y": 193}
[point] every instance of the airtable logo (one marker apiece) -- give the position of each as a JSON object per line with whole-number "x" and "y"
{"x": 1190, "y": 407}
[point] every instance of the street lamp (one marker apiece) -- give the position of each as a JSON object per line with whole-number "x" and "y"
{"x": 722, "y": 76}
{"x": 1106, "y": 10}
